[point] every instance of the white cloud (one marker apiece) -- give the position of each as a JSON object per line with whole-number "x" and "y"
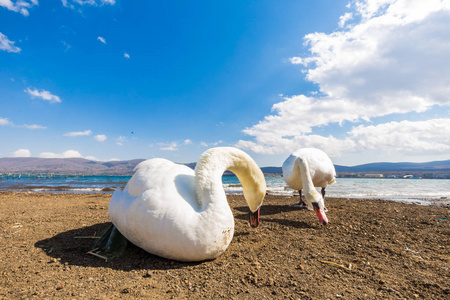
{"x": 405, "y": 136}
{"x": 22, "y": 153}
{"x": 73, "y": 4}
{"x": 44, "y": 95}
{"x": 34, "y": 126}
{"x": 100, "y": 137}
{"x": 101, "y": 39}
{"x": 65, "y": 154}
{"x": 343, "y": 19}
{"x": 172, "y": 146}
{"x": 5, "y": 122}
{"x": 78, "y": 133}
{"x": 120, "y": 140}
{"x": 297, "y": 61}
{"x": 392, "y": 57}
{"x": 19, "y": 5}
{"x": 7, "y": 45}
{"x": 393, "y": 62}
{"x": 126, "y": 55}
{"x": 66, "y": 46}
{"x": 313, "y": 112}
{"x": 204, "y": 144}
{"x": 331, "y": 145}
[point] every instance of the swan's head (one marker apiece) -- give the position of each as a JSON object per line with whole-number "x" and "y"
{"x": 254, "y": 194}
{"x": 253, "y": 184}
{"x": 315, "y": 201}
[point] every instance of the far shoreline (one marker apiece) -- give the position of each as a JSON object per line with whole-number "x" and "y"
{"x": 443, "y": 202}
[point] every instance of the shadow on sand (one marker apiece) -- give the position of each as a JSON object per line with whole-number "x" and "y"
{"x": 268, "y": 212}
{"x": 71, "y": 247}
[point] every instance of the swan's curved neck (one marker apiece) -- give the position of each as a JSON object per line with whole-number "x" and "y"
{"x": 211, "y": 166}
{"x": 305, "y": 175}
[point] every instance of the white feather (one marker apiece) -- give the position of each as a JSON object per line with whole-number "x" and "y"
{"x": 175, "y": 212}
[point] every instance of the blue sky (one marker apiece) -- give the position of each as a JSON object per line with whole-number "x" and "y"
{"x": 365, "y": 81}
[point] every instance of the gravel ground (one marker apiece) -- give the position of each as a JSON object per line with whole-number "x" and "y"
{"x": 371, "y": 249}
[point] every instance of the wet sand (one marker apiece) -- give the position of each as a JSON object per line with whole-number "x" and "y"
{"x": 371, "y": 249}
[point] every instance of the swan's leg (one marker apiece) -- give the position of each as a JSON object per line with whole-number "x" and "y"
{"x": 323, "y": 196}
{"x": 301, "y": 203}
{"x": 110, "y": 245}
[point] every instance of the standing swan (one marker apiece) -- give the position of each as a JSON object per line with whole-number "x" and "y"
{"x": 175, "y": 212}
{"x": 307, "y": 168}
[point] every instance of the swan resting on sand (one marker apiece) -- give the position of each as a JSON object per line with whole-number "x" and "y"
{"x": 306, "y": 169}
{"x": 172, "y": 211}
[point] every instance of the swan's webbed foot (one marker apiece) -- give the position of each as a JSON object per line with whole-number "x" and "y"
{"x": 301, "y": 205}
{"x": 110, "y": 245}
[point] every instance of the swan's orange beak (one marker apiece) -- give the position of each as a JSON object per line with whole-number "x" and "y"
{"x": 254, "y": 218}
{"x": 320, "y": 212}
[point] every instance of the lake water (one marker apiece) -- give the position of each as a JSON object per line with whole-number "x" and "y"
{"x": 422, "y": 191}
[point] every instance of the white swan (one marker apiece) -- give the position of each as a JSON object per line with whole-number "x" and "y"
{"x": 308, "y": 168}
{"x": 175, "y": 212}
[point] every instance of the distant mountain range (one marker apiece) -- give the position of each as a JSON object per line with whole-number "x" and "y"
{"x": 88, "y": 167}
{"x": 398, "y": 167}
{"x": 426, "y": 170}
{"x": 66, "y": 165}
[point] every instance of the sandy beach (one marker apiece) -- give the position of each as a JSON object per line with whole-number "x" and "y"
{"x": 371, "y": 249}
